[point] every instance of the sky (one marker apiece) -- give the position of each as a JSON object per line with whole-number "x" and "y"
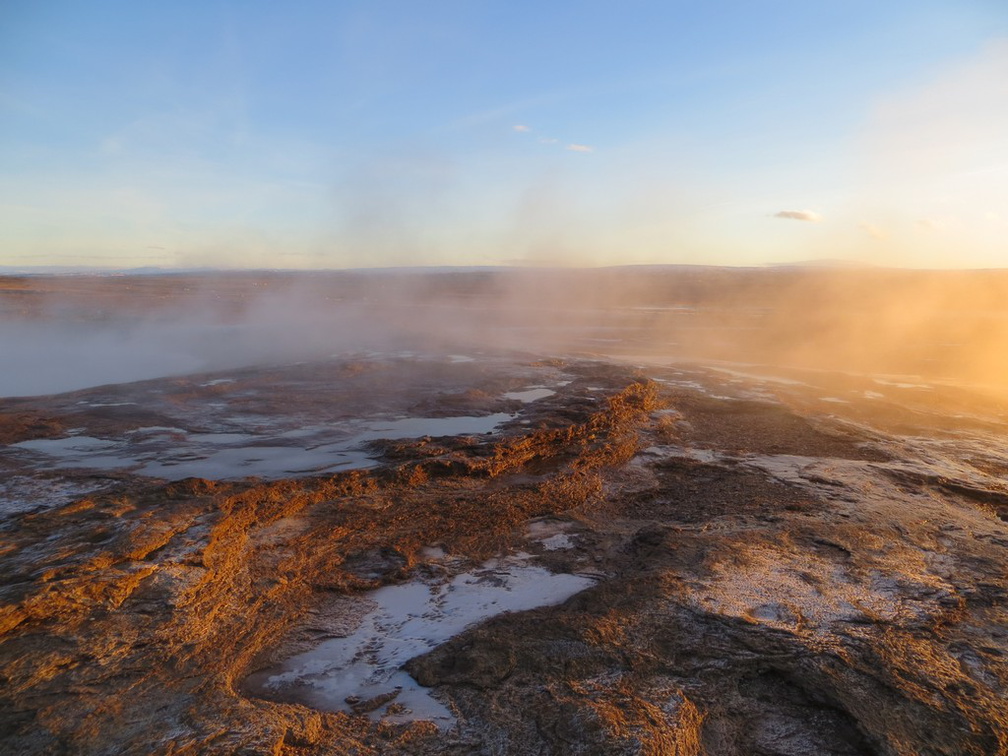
{"x": 394, "y": 133}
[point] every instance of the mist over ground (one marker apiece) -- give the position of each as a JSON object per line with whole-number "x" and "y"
{"x": 60, "y": 333}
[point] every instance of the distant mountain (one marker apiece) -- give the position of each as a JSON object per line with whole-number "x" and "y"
{"x": 79, "y": 270}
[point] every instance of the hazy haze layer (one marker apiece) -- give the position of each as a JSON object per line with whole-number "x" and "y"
{"x": 60, "y": 334}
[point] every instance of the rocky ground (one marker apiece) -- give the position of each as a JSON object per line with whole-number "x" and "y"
{"x": 790, "y": 564}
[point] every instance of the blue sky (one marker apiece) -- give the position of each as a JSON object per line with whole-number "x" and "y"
{"x": 352, "y": 134}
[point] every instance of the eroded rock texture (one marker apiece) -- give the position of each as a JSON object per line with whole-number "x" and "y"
{"x": 778, "y": 573}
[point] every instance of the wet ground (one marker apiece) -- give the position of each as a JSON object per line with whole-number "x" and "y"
{"x": 277, "y": 423}
{"x": 480, "y": 552}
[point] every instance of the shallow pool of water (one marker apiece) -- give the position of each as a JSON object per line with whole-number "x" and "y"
{"x": 530, "y": 395}
{"x": 174, "y": 454}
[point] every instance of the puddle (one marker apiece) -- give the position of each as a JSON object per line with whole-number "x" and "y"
{"x": 529, "y": 395}
{"x": 68, "y": 446}
{"x": 759, "y": 377}
{"x": 405, "y": 621}
{"x": 681, "y": 383}
{"x": 174, "y": 454}
{"x": 415, "y": 427}
{"x": 153, "y": 430}
{"x": 258, "y": 461}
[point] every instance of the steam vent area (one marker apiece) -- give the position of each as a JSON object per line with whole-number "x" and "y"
{"x": 684, "y": 511}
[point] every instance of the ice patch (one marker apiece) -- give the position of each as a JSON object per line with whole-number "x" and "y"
{"x": 20, "y": 493}
{"x": 558, "y": 542}
{"x": 406, "y": 621}
{"x": 704, "y": 456}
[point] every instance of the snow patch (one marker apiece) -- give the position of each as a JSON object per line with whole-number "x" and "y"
{"x": 404, "y": 621}
{"x": 558, "y": 542}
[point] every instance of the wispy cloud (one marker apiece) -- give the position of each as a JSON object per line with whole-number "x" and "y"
{"x": 507, "y": 111}
{"x": 803, "y": 215}
{"x": 523, "y": 128}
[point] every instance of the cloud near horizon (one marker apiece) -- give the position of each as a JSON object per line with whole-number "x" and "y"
{"x": 803, "y": 215}
{"x": 580, "y": 148}
{"x": 521, "y": 127}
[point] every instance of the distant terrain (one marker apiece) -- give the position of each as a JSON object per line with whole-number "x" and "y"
{"x": 948, "y": 325}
